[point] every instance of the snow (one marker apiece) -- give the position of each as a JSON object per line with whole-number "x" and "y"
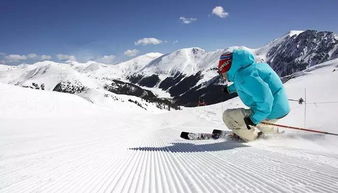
{"x": 91, "y": 74}
{"x": 158, "y": 92}
{"x": 295, "y": 32}
{"x": 184, "y": 60}
{"x": 5, "y": 67}
{"x": 57, "y": 142}
{"x": 124, "y": 69}
{"x": 334, "y": 49}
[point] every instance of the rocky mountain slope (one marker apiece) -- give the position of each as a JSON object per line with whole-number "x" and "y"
{"x": 302, "y": 50}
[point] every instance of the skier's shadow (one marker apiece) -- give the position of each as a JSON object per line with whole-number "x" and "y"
{"x": 191, "y": 147}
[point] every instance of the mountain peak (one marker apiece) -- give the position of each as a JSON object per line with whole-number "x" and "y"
{"x": 192, "y": 50}
{"x": 153, "y": 54}
{"x": 294, "y": 32}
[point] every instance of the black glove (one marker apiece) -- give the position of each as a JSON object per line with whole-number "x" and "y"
{"x": 248, "y": 122}
{"x": 225, "y": 90}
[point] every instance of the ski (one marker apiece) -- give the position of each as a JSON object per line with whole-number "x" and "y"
{"x": 216, "y": 134}
{"x": 220, "y": 133}
{"x": 196, "y": 136}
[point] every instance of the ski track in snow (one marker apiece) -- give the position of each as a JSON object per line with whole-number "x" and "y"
{"x": 158, "y": 162}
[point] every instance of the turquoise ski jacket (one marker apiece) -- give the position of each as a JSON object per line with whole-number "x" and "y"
{"x": 258, "y": 86}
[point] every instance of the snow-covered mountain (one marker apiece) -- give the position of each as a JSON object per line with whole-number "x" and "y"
{"x": 299, "y": 50}
{"x": 118, "y": 71}
{"x": 186, "y": 75}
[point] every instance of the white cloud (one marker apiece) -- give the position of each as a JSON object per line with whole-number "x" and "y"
{"x": 131, "y": 53}
{"x": 15, "y": 58}
{"x": 32, "y": 56}
{"x": 107, "y": 59}
{"x": 38, "y": 57}
{"x": 65, "y": 57}
{"x": 187, "y": 20}
{"x": 219, "y": 11}
{"x": 148, "y": 41}
{"x": 45, "y": 57}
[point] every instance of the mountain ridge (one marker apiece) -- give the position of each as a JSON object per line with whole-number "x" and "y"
{"x": 187, "y": 74}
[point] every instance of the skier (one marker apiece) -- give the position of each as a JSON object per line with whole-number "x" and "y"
{"x": 259, "y": 88}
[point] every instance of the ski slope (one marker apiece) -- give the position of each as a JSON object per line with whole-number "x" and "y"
{"x": 56, "y": 142}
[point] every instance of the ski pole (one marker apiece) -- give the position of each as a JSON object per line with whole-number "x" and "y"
{"x": 299, "y": 128}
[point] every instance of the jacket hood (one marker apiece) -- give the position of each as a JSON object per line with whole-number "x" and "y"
{"x": 240, "y": 59}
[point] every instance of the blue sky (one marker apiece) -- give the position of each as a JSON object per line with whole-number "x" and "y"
{"x": 108, "y": 30}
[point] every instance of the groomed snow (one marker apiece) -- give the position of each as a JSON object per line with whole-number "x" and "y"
{"x": 56, "y": 142}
